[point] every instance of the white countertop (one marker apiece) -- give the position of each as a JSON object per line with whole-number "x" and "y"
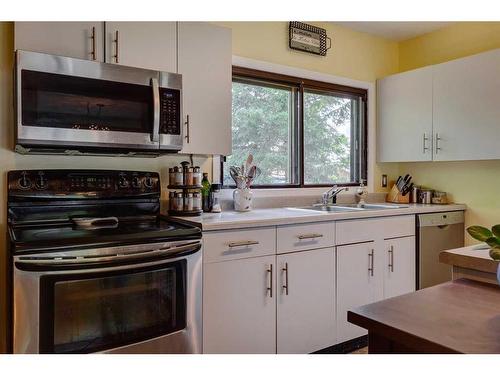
{"x": 283, "y": 216}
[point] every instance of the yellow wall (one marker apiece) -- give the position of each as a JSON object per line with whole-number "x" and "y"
{"x": 354, "y": 54}
{"x": 452, "y": 42}
{"x": 475, "y": 183}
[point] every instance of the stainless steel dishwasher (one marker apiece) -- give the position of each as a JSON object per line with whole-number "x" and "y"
{"x": 437, "y": 232}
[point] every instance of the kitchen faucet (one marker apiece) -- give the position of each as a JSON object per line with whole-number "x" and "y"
{"x": 332, "y": 194}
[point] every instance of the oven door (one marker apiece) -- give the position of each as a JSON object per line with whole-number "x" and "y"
{"x": 70, "y": 103}
{"x": 92, "y": 305}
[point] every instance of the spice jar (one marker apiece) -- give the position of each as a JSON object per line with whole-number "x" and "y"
{"x": 188, "y": 202}
{"x": 197, "y": 176}
{"x": 196, "y": 201}
{"x": 171, "y": 201}
{"x": 178, "y": 176}
{"x": 179, "y": 202}
{"x": 171, "y": 176}
{"x": 188, "y": 176}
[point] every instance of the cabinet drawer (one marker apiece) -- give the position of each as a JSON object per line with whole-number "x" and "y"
{"x": 238, "y": 244}
{"x": 399, "y": 226}
{"x": 305, "y": 236}
{"x": 354, "y": 231}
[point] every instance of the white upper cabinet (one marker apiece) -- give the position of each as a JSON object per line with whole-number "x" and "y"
{"x": 404, "y": 126}
{"x": 467, "y": 108}
{"x": 444, "y": 112}
{"x": 81, "y": 40}
{"x": 204, "y": 60}
{"x": 148, "y": 45}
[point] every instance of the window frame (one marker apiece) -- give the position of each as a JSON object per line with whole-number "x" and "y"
{"x": 301, "y": 85}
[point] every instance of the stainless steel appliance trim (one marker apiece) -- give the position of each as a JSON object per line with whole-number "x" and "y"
{"x": 155, "y": 135}
{"x": 188, "y": 340}
{"x": 111, "y": 258}
{"x": 441, "y": 218}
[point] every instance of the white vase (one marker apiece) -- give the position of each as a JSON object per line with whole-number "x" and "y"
{"x": 242, "y": 199}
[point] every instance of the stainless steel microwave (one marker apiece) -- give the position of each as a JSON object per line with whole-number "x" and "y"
{"x": 66, "y": 105}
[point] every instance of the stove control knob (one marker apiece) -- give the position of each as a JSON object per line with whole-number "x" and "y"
{"x": 122, "y": 182}
{"x": 148, "y": 182}
{"x": 41, "y": 181}
{"x": 136, "y": 182}
{"x": 24, "y": 182}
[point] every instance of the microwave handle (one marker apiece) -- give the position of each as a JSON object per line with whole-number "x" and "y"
{"x": 155, "y": 135}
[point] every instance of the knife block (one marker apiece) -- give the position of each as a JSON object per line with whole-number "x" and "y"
{"x": 395, "y": 196}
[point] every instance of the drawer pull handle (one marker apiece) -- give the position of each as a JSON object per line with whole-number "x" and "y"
{"x": 270, "y": 287}
{"x": 285, "y": 270}
{"x": 242, "y": 243}
{"x": 370, "y": 261}
{"x": 391, "y": 258}
{"x": 309, "y": 236}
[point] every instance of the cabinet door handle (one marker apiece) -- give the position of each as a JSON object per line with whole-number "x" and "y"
{"x": 242, "y": 243}
{"x": 438, "y": 139}
{"x": 116, "y": 46}
{"x": 93, "y": 52}
{"x": 270, "y": 287}
{"x": 309, "y": 236}
{"x": 391, "y": 258}
{"x": 285, "y": 270}
{"x": 370, "y": 261}
{"x": 187, "y": 129}
{"x": 425, "y": 139}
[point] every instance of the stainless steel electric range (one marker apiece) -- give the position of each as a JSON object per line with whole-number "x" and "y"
{"x": 96, "y": 268}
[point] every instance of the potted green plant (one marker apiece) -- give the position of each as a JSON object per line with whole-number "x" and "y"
{"x": 491, "y": 238}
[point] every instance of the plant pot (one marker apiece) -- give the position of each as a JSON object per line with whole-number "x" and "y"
{"x": 498, "y": 273}
{"x": 243, "y": 199}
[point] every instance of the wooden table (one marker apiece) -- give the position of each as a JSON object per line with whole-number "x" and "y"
{"x": 460, "y": 316}
{"x": 472, "y": 262}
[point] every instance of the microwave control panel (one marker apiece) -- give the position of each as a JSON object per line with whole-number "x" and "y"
{"x": 170, "y": 111}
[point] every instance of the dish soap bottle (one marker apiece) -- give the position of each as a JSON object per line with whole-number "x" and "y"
{"x": 206, "y": 201}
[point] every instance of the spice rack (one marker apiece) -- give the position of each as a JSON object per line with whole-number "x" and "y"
{"x": 185, "y": 194}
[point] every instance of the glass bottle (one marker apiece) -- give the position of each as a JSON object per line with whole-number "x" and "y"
{"x": 205, "y": 194}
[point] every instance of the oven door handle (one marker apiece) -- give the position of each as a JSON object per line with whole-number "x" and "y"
{"x": 155, "y": 135}
{"x": 80, "y": 263}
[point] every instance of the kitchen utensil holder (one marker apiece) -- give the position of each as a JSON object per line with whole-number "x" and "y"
{"x": 395, "y": 196}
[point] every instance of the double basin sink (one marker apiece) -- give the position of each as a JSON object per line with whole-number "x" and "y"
{"x": 351, "y": 207}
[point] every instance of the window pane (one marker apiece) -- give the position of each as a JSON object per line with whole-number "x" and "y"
{"x": 328, "y": 126}
{"x": 262, "y": 126}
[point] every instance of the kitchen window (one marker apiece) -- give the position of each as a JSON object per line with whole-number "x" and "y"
{"x": 302, "y": 133}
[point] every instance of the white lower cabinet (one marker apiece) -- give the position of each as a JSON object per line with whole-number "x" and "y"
{"x": 239, "y": 309}
{"x": 306, "y": 301}
{"x": 369, "y": 272}
{"x": 359, "y": 281}
{"x": 265, "y": 290}
{"x": 400, "y": 270}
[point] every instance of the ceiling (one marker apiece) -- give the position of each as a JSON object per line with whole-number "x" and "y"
{"x": 395, "y": 30}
